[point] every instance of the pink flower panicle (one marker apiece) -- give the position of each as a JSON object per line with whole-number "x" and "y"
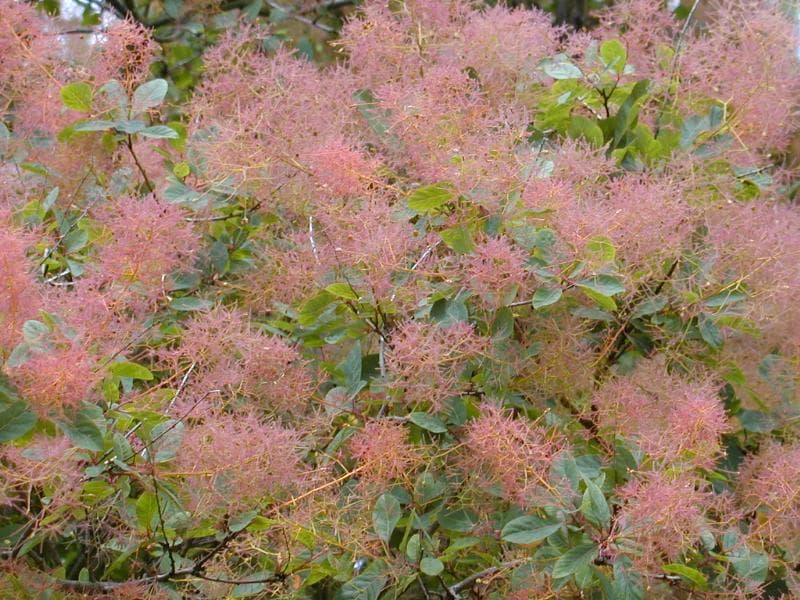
{"x": 496, "y": 271}
{"x": 383, "y": 450}
{"x": 426, "y": 361}
{"x": 148, "y": 239}
{"x": 660, "y": 517}
{"x": 125, "y": 55}
{"x": 56, "y": 380}
{"x": 229, "y": 356}
{"x": 237, "y": 460}
{"x": 673, "y": 420}
{"x": 769, "y": 485}
{"x": 19, "y": 294}
{"x": 512, "y": 453}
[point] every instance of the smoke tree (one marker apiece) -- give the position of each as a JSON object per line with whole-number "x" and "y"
{"x": 486, "y": 308}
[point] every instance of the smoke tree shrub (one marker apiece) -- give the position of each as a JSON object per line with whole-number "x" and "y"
{"x": 489, "y": 308}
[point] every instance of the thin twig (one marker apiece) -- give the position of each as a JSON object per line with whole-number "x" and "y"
{"x": 147, "y": 182}
{"x": 456, "y": 587}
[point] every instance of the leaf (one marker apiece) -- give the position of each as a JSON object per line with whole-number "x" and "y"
{"x": 431, "y": 566}
{"x": 709, "y": 331}
{"x": 559, "y": 67}
{"x": 147, "y": 510}
{"x": 606, "y": 302}
{"x": 84, "y": 432}
{"x": 130, "y": 126}
{"x": 614, "y": 55}
{"x": 190, "y": 303}
{"x": 15, "y": 421}
{"x": 691, "y": 575}
{"x": 545, "y": 296}
{"x": 77, "y": 96}
{"x": 87, "y": 126}
{"x": 756, "y": 421}
{"x": 159, "y": 132}
{"x": 628, "y": 112}
{"x": 601, "y": 248}
{"x": 458, "y": 239}
{"x": 594, "y": 505}
{"x": 342, "y": 290}
{"x": 748, "y": 564}
{"x": 527, "y": 530}
{"x": 691, "y": 128}
{"x": 428, "y": 198}
{"x": 627, "y": 584}
{"x": 428, "y": 422}
{"x": 459, "y": 520}
{"x": 574, "y": 559}
{"x": 242, "y": 520}
{"x": 649, "y": 307}
{"x": 366, "y": 586}
{"x": 582, "y": 127}
{"x": 252, "y": 585}
{"x": 607, "y": 285}
{"x": 386, "y": 515}
{"x": 725, "y": 298}
{"x": 166, "y": 440}
{"x": 50, "y": 199}
{"x": 132, "y": 370}
{"x": 148, "y": 95}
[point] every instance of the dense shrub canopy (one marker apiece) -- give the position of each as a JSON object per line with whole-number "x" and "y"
{"x": 485, "y": 308}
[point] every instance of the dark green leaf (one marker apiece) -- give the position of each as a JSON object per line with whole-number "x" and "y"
{"x": 459, "y": 520}
{"x": 15, "y": 421}
{"x": 709, "y": 331}
{"x": 545, "y": 296}
{"x": 428, "y": 422}
{"x": 574, "y": 559}
{"x": 594, "y": 505}
{"x": 527, "y": 530}
{"x": 87, "y": 126}
{"x": 242, "y": 520}
{"x": 386, "y": 515}
{"x": 431, "y": 566}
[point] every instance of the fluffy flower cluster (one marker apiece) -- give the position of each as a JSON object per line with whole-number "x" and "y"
{"x": 512, "y": 453}
{"x": 673, "y": 420}
{"x": 426, "y": 361}
{"x": 233, "y": 461}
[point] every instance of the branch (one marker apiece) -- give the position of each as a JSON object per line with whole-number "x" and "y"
{"x": 139, "y": 165}
{"x": 468, "y": 581}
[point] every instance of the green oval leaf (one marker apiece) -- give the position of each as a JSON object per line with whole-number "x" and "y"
{"x": 428, "y": 422}
{"x": 429, "y": 198}
{"x": 15, "y": 421}
{"x": 149, "y": 95}
{"x": 545, "y": 296}
{"x": 527, "y": 530}
{"x": 431, "y": 566}
{"x": 386, "y": 515}
{"x": 573, "y": 559}
{"x": 159, "y": 132}
{"x": 77, "y": 96}
{"x": 691, "y": 575}
{"x": 132, "y": 370}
